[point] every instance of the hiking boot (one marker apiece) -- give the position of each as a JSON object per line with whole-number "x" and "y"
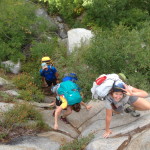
{"x": 128, "y": 109}
{"x": 132, "y": 112}
{"x": 135, "y": 113}
{"x": 64, "y": 120}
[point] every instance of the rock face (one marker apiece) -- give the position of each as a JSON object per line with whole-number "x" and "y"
{"x": 3, "y": 82}
{"x": 37, "y": 143}
{"x": 14, "y": 68}
{"x": 5, "y": 106}
{"x": 140, "y": 141}
{"x": 42, "y": 13}
{"x": 78, "y": 37}
{"x": 11, "y": 92}
{"x": 128, "y": 132}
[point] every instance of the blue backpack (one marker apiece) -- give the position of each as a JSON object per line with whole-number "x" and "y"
{"x": 71, "y": 92}
{"x": 70, "y": 77}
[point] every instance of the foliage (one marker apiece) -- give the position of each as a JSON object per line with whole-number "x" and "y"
{"x": 74, "y": 8}
{"x": 106, "y": 13}
{"x": 22, "y": 113}
{"x": 78, "y": 144}
{"x": 14, "y": 32}
{"x": 6, "y": 98}
{"x": 19, "y": 26}
{"x": 41, "y": 49}
{"x": 28, "y": 90}
{"x": 122, "y": 50}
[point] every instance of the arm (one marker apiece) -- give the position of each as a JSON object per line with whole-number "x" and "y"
{"x": 57, "y": 77}
{"x": 108, "y": 120}
{"x": 131, "y": 91}
{"x": 57, "y": 113}
{"x": 88, "y": 107}
{"x": 59, "y": 109}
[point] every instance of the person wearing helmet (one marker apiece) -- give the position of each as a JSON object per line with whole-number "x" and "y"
{"x": 64, "y": 103}
{"x": 70, "y": 76}
{"x": 49, "y": 73}
{"x": 120, "y": 95}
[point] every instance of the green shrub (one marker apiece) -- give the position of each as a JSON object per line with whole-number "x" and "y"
{"x": 16, "y": 20}
{"x": 22, "y": 113}
{"x": 3, "y": 135}
{"x": 120, "y": 50}
{"x": 28, "y": 90}
{"x": 78, "y": 144}
{"x": 74, "y": 8}
{"x": 19, "y": 26}
{"x": 106, "y": 13}
{"x": 41, "y": 49}
{"x": 6, "y": 98}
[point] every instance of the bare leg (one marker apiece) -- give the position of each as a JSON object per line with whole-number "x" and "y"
{"x": 67, "y": 112}
{"x": 141, "y": 104}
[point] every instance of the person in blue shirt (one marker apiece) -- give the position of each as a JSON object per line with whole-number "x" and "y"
{"x": 49, "y": 74}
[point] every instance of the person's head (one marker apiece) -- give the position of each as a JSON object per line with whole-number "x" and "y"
{"x": 46, "y": 60}
{"x": 44, "y": 66}
{"x": 117, "y": 91}
{"x": 76, "y": 107}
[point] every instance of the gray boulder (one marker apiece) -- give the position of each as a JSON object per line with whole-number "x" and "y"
{"x": 78, "y": 37}
{"x": 3, "y": 82}
{"x": 13, "y": 67}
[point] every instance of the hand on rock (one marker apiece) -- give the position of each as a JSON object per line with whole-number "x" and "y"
{"x": 107, "y": 133}
{"x": 56, "y": 126}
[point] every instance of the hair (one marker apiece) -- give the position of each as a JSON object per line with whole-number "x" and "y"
{"x": 112, "y": 91}
{"x": 76, "y": 107}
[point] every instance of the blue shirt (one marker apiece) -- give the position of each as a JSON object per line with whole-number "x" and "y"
{"x": 49, "y": 74}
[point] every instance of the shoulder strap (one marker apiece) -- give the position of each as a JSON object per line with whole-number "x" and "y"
{"x": 50, "y": 67}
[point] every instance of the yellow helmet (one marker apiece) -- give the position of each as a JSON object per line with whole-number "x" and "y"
{"x": 47, "y": 60}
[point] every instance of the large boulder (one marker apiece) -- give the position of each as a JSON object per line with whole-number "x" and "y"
{"x": 3, "y": 82}
{"x": 13, "y": 67}
{"x": 78, "y": 37}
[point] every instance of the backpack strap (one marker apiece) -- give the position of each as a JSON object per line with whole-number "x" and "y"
{"x": 50, "y": 67}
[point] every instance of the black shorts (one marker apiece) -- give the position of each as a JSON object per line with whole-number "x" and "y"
{"x": 58, "y": 102}
{"x": 50, "y": 82}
